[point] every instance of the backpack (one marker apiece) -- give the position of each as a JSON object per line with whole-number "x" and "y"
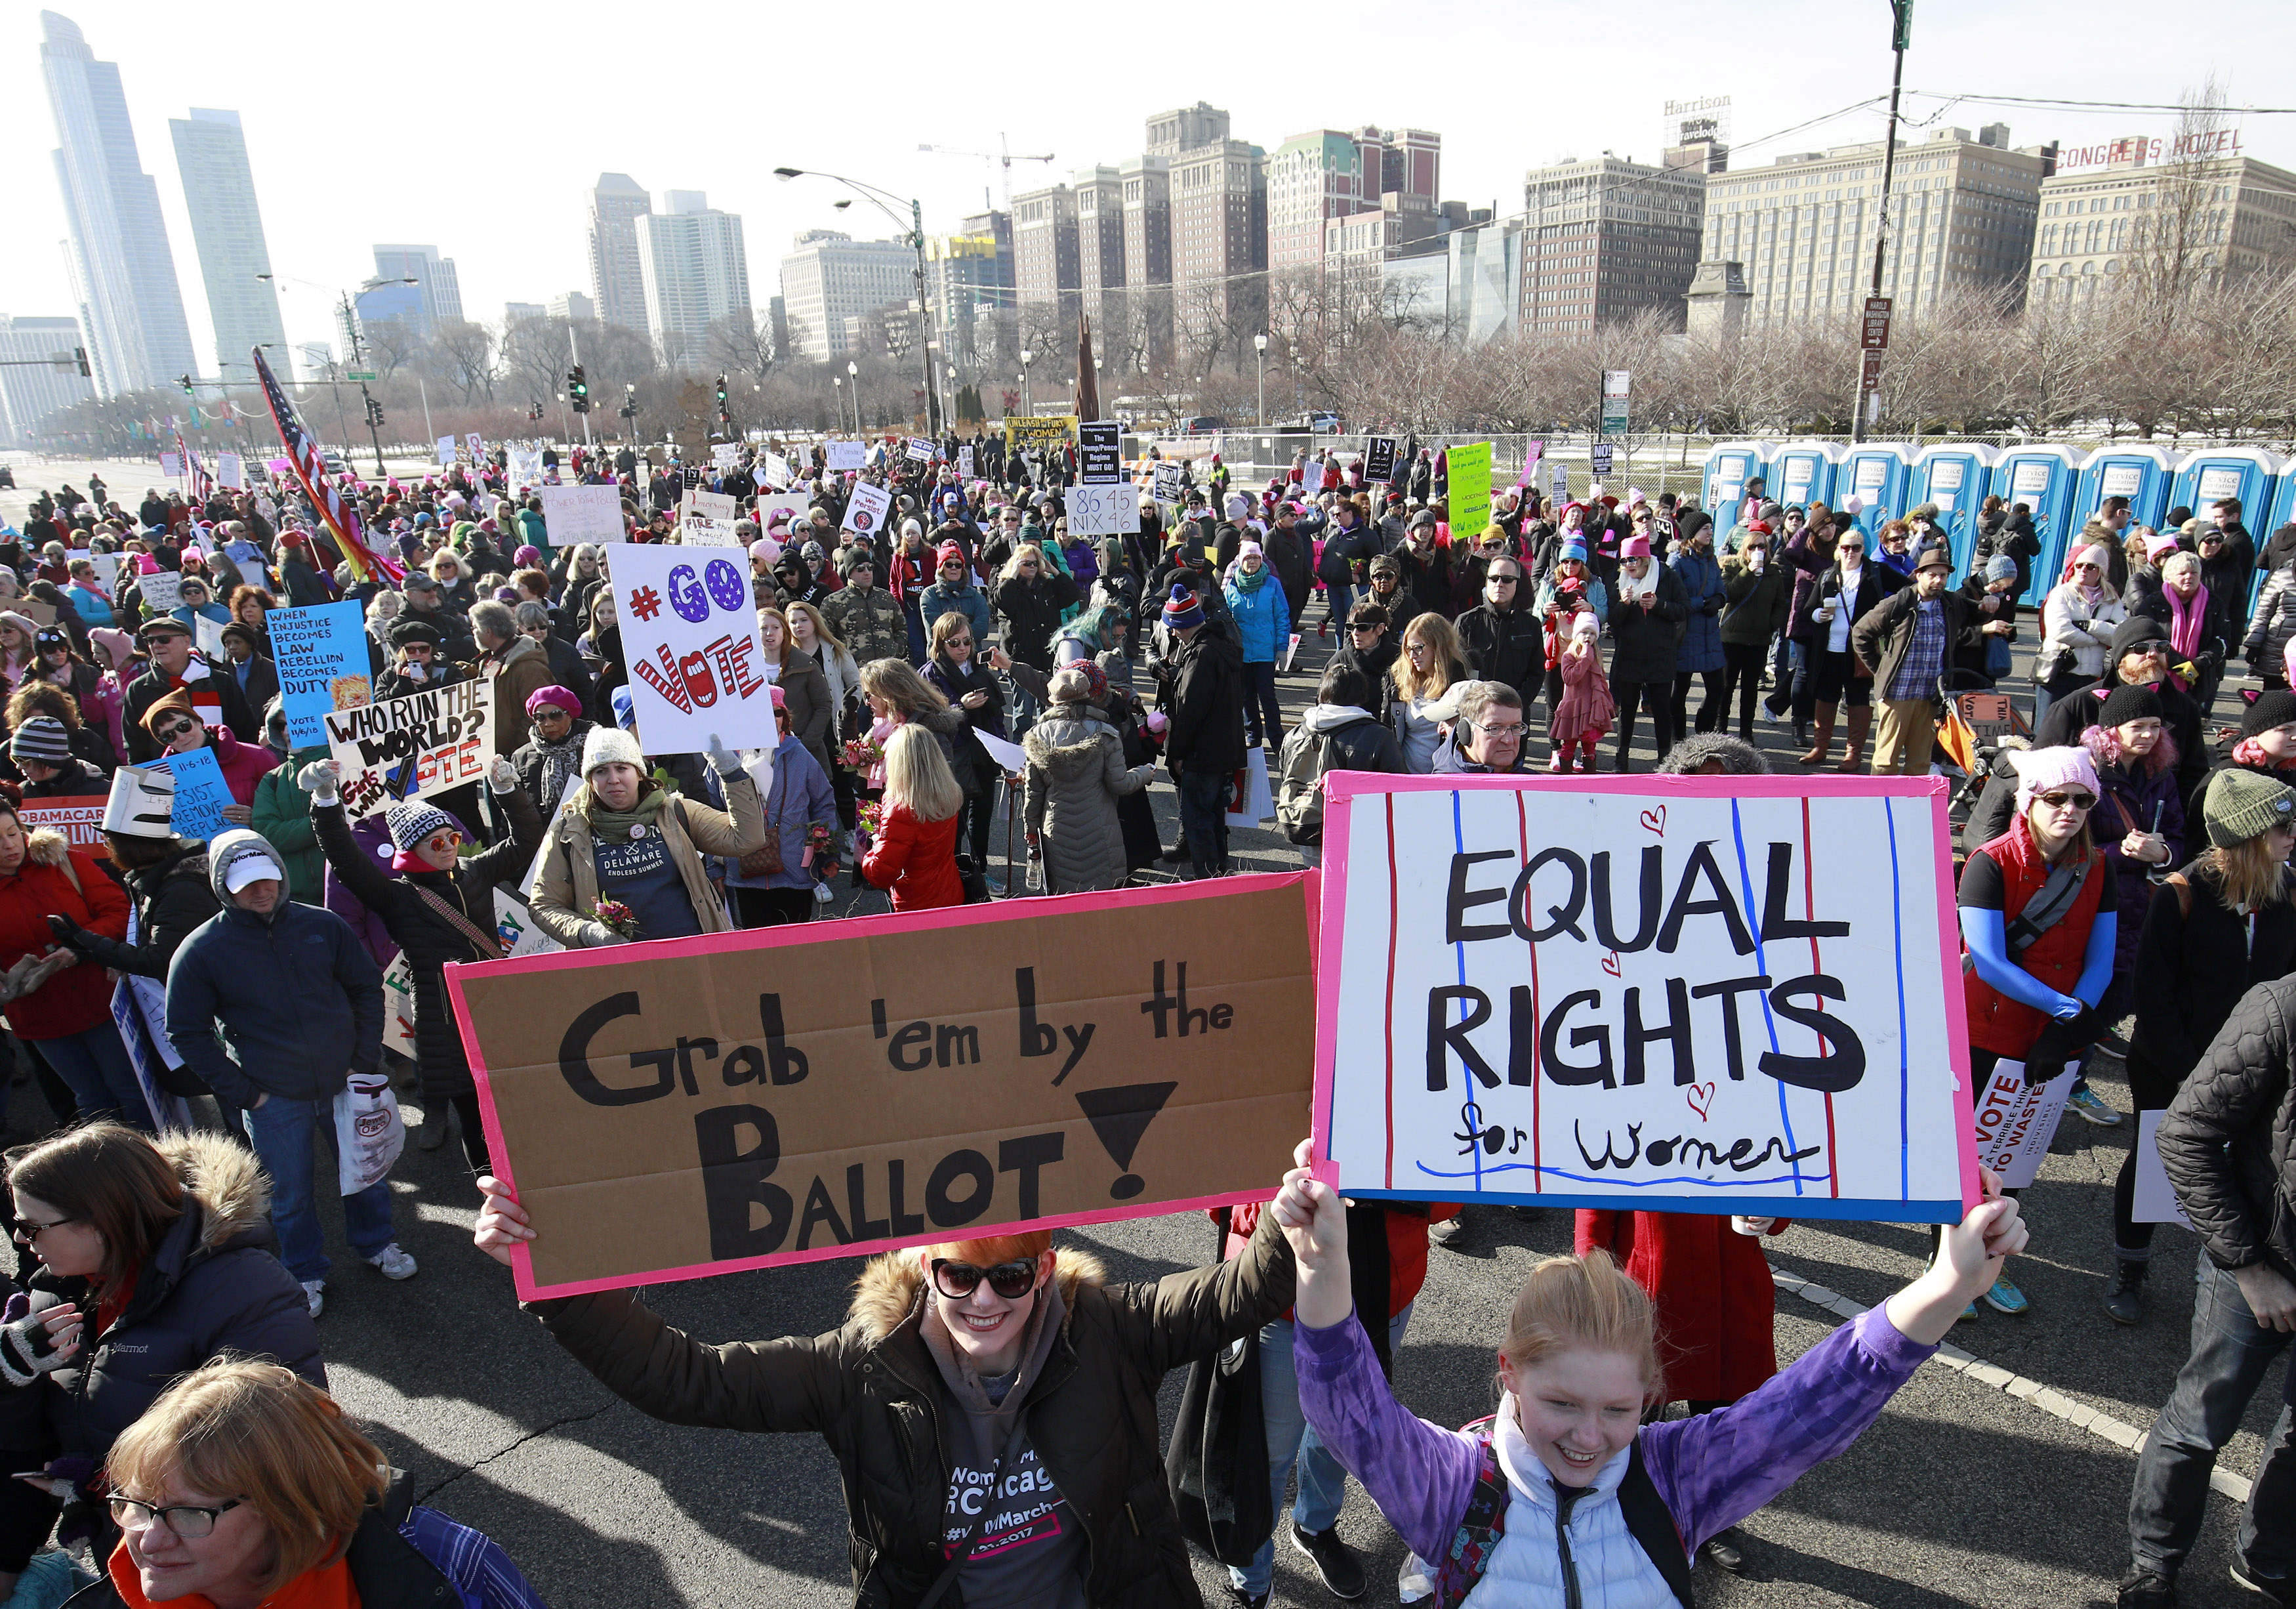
{"x": 1300, "y": 787}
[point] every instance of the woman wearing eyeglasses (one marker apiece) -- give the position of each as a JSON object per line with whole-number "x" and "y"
{"x": 246, "y": 1486}
{"x": 2078, "y": 619}
{"x": 2040, "y": 916}
{"x": 999, "y": 1366}
{"x": 153, "y": 1259}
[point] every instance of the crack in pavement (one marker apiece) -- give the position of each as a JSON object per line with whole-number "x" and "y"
{"x": 505, "y": 1452}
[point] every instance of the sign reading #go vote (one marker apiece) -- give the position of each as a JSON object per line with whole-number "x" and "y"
{"x": 692, "y": 1106}
{"x": 690, "y": 630}
{"x": 1693, "y": 994}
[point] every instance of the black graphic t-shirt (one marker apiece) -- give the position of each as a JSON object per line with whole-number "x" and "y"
{"x": 1029, "y": 1551}
{"x": 639, "y": 873}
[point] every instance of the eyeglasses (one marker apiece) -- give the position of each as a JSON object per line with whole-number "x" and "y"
{"x": 958, "y": 1280}
{"x": 26, "y": 1229}
{"x": 1514, "y": 730}
{"x": 2061, "y": 800}
{"x": 1362, "y": 626}
{"x": 960, "y": 642}
{"x": 189, "y": 1523}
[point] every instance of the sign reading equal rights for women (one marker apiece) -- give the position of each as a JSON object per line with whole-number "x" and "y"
{"x": 692, "y": 1106}
{"x": 1697, "y": 994}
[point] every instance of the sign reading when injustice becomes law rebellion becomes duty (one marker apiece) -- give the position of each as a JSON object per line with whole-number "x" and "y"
{"x": 1684, "y": 994}
{"x": 692, "y": 1106}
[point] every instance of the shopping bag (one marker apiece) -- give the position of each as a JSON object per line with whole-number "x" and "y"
{"x": 1251, "y": 803}
{"x": 369, "y": 1132}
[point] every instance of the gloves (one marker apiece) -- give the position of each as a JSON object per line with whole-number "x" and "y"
{"x": 70, "y": 934}
{"x": 502, "y": 777}
{"x": 597, "y": 935}
{"x": 318, "y": 780}
{"x": 27, "y": 1351}
{"x": 727, "y": 763}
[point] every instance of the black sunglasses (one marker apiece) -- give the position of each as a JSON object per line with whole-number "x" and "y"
{"x": 958, "y": 1280}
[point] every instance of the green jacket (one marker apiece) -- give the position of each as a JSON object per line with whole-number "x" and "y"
{"x": 282, "y": 814}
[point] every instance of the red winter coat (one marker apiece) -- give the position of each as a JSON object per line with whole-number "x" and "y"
{"x": 1711, "y": 1287}
{"x": 79, "y": 997}
{"x": 243, "y": 764}
{"x": 1407, "y": 1245}
{"x": 1997, "y": 1023}
{"x": 916, "y": 861}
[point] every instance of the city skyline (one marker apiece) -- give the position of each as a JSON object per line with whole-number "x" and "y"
{"x": 322, "y": 226}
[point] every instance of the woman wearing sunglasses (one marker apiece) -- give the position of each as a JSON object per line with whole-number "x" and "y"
{"x": 998, "y": 1366}
{"x": 174, "y": 724}
{"x": 2039, "y": 915}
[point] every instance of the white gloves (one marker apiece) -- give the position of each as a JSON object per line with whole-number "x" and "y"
{"x": 502, "y": 777}
{"x": 728, "y": 764}
{"x": 318, "y": 779}
{"x": 596, "y": 935}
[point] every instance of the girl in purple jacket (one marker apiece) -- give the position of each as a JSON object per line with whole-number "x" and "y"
{"x": 1566, "y": 1496}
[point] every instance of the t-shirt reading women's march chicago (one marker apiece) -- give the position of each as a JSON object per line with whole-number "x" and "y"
{"x": 639, "y": 873}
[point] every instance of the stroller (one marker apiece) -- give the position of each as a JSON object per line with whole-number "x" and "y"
{"x": 1972, "y": 730}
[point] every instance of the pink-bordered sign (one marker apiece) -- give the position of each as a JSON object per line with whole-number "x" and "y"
{"x": 976, "y": 924}
{"x": 1459, "y": 1003}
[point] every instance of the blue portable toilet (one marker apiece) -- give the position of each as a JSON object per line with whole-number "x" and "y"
{"x": 1874, "y": 472}
{"x": 2250, "y": 473}
{"x": 2139, "y": 473}
{"x": 1729, "y": 465}
{"x": 1802, "y": 472}
{"x": 2042, "y": 477}
{"x": 1955, "y": 476}
{"x": 2282, "y": 510}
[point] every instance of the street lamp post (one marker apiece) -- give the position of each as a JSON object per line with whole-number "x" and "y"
{"x": 1259, "y": 347}
{"x": 1901, "y": 27}
{"x": 1028, "y": 397}
{"x": 853, "y": 373}
{"x": 839, "y": 382}
{"x": 916, "y": 241}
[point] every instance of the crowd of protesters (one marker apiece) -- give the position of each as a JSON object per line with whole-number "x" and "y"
{"x": 193, "y": 1010}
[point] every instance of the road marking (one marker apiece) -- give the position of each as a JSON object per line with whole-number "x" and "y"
{"x": 2080, "y": 1415}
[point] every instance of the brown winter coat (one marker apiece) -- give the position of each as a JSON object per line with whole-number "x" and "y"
{"x": 566, "y": 888}
{"x": 871, "y": 1390}
{"x": 522, "y": 671}
{"x": 1076, "y": 774}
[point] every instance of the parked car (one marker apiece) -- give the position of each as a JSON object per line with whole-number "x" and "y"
{"x": 1205, "y": 424}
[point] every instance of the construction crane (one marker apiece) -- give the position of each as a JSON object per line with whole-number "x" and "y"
{"x": 1002, "y": 154}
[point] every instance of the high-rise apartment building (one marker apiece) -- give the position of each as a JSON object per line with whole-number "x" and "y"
{"x": 34, "y": 385}
{"x": 2121, "y": 205}
{"x": 830, "y": 279}
{"x": 1046, "y": 249}
{"x": 694, "y": 271}
{"x": 1311, "y": 178}
{"x": 227, "y": 230}
{"x": 1219, "y": 238}
{"x": 123, "y": 273}
{"x": 1803, "y": 227}
{"x": 517, "y": 312}
{"x": 437, "y": 291}
{"x": 1100, "y": 243}
{"x": 1602, "y": 239}
{"x": 573, "y": 307}
{"x": 1190, "y": 128}
{"x": 968, "y": 281}
{"x": 616, "y": 283}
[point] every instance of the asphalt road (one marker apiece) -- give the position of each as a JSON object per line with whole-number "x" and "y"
{"x": 1963, "y": 1494}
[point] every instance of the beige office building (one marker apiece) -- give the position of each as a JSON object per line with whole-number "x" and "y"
{"x": 2111, "y": 199}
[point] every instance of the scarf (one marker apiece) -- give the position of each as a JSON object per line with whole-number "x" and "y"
{"x": 558, "y": 762}
{"x": 325, "y": 1587}
{"x": 605, "y": 823}
{"x": 2185, "y": 624}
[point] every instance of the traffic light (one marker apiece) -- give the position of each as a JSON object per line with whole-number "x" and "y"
{"x": 79, "y": 355}
{"x": 374, "y": 413}
{"x": 184, "y": 380}
{"x": 577, "y": 390}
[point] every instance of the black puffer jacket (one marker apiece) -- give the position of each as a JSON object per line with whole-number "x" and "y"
{"x": 1647, "y": 635}
{"x": 1508, "y": 648}
{"x": 172, "y": 897}
{"x": 428, "y": 940}
{"x": 2191, "y": 970}
{"x": 214, "y": 1285}
{"x": 2229, "y": 1140}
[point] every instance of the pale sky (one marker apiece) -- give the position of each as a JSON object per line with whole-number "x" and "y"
{"x": 470, "y": 138}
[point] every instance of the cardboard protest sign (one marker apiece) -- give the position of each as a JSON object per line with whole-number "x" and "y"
{"x": 965, "y": 463}
{"x": 231, "y": 472}
{"x": 1696, "y": 994}
{"x": 449, "y": 449}
{"x": 2155, "y": 1200}
{"x": 478, "y": 445}
{"x": 321, "y": 651}
{"x": 38, "y": 611}
{"x": 690, "y": 632}
{"x": 79, "y": 817}
{"x": 526, "y": 469}
{"x": 1531, "y": 454}
{"x": 1042, "y": 431}
{"x": 917, "y": 450}
{"x": 280, "y": 467}
{"x": 398, "y": 1007}
{"x": 865, "y": 511}
{"x": 706, "y": 519}
{"x": 773, "y": 468}
{"x": 201, "y": 794}
{"x": 768, "y": 504}
{"x": 1469, "y": 487}
{"x": 1167, "y": 483}
{"x": 2015, "y": 1121}
{"x": 846, "y": 454}
{"x": 1103, "y": 511}
{"x": 1249, "y": 802}
{"x": 581, "y": 513}
{"x": 107, "y": 569}
{"x": 692, "y": 1106}
{"x": 171, "y": 464}
{"x": 206, "y": 636}
{"x": 412, "y": 746}
{"x": 725, "y": 455}
{"x": 161, "y": 590}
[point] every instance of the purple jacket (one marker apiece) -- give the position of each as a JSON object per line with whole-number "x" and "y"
{"x": 373, "y": 834}
{"x": 1712, "y": 1471}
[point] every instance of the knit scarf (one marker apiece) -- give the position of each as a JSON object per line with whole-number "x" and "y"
{"x": 2186, "y": 615}
{"x": 558, "y": 762}
{"x": 605, "y": 823}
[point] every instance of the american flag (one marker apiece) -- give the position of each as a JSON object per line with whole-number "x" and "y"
{"x": 339, "y": 514}
{"x": 198, "y": 483}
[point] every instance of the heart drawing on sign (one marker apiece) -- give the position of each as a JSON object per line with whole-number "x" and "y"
{"x": 1655, "y": 820}
{"x": 1611, "y": 964}
{"x": 1701, "y": 1097}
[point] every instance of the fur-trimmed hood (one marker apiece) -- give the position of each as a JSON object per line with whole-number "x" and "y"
{"x": 1068, "y": 742}
{"x": 225, "y": 1180}
{"x": 891, "y": 1283}
{"x": 46, "y": 846}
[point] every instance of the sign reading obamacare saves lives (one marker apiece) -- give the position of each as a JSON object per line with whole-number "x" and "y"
{"x": 1733, "y": 995}
{"x": 692, "y": 1106}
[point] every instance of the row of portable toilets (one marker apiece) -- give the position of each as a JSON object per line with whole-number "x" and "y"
{"x": 2064, "y": 485}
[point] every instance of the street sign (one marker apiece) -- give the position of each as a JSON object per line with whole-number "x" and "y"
{"x": 358, "y": 374}
{"x": 1617, "y": 384}
{"x": 1869, "y": 377}
{"x": 1601, "y": 456}
{"x": 1875, "y": 336}
{"x": 1100, "y": 454}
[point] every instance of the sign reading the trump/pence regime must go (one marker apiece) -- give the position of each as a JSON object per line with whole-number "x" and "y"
{"x": 1695, "y": 994}
{"x": 692, "y": 1106}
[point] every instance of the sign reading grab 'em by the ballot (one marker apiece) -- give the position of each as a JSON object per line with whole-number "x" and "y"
{"x": 1694, "y": 994}
{"x": 692, "y": 1106}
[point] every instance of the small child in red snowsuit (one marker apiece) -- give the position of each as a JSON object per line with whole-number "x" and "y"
{"x": 1582, "y": 714}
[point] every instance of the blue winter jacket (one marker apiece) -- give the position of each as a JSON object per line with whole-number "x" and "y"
{"x": 1263, "y": 620}
{"x": 800, "y": 796}
{"x": 964, "y": 598}
{"x": 297, "y": 996}
{"x": 1700, "y": 575}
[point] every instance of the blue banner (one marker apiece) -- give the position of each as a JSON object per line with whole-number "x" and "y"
{"x": 320, "y": 651}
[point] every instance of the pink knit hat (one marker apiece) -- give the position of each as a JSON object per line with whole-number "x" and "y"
{"x": 1634, "y": 548}
{"x": 2039, "y": 770}
{"x": 2159, "y": 545}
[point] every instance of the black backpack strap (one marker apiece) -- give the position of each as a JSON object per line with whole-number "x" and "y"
{"x": 1651, "y": 1525}
{"x": 1481, "y": 1527}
